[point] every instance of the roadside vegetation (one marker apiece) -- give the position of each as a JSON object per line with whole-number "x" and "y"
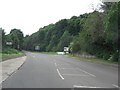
{"x": 43, "y": 52}
{"x": 9, "y": 56}
{"x": 8, "y": 53}
{"x": 93, "y": 59}
{"x": 54, "y": 53}
{"x": 95, "y": 33}
{"x": 13, "y": 50}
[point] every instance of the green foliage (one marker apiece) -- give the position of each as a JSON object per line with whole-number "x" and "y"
{"x": 64, "y": 41}
{"x": 12, "y": 55}
{"x": 99, "y": 35}
{"x": 12, "y": 37}
{"x": 92, "y": 35}
{"x": 111, "y": 24}
{"x": 8, "y": 50}
{"x": 106, "y": 6}
{"x": 16, "y": 37}
{"x": 74, "y": 25}
{"x": 95, "y": 33}
{"x": 49, "y": 37}
{"x": 75, "y": 45}
{"x": 111, "y": 31}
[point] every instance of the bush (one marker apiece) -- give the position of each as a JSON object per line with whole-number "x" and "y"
{"x": 9, "y": 51}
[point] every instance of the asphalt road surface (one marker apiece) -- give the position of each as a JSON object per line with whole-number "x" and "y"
{"x": 59, "y": 71}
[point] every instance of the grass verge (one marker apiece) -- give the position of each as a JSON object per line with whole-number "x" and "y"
{"x": 93, "y": 59}
{"x": 48, "y": 52}
{"x": 43, "y": 52}
{"x": 7, "y": 56}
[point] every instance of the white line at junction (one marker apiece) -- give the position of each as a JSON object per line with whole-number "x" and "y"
{"x": 116, "y": 86}
{"x": 87, "y": 72}
{"x": 67, "y": 68}
{"x": 74, "y": 75}
{"x": 55, "y": 64}
{"x": 76, "y": 86}
{"x": 33, "y": 56}
{"x": 60, "y": 74}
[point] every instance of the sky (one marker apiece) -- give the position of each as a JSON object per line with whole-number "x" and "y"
{"x": 30, "y": 15}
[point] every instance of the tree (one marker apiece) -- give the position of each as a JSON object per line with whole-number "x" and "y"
{"x": 111, "y": 31}
{"x": 56, "y": 34}
{"x": 91, "y": 38}
{"x": 64, "y": 41}
{"x": 74, "y": 25}
{"x": 106, "y": 6}
{"x": 17, "y": 38}
{"x": 75, "y": 45}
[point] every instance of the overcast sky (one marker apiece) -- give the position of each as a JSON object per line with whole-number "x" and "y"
{"x": 30, "y": 15}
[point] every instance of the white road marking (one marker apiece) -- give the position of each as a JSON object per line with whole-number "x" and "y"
{"x": 75, "y": 75}
{"x": 76, "y": 86}
{"x": 67, "y": 68}
{"x": 116, "y": 86}
{"x": 60, "y": 74}
{"x": 33, "y": 56}
{"x": 55, "y": 64}
{"x": 87, "y": 72}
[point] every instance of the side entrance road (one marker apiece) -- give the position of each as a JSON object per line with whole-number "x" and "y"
{"x": 8, "y": 67}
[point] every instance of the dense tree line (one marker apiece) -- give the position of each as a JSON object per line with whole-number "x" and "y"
{"x": 95, "y": 33}
{"x": 100, "y": 34}
{"x": 54, "y": 36}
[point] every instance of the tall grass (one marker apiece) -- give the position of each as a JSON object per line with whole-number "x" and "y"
{"x": 8, "y": 50}
{"x": 10, "y": 53}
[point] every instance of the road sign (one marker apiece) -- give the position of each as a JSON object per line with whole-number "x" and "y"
{"x": 37, "y": 47}
{"x": 8, "y": 43}
{"x": 66, "y": 49}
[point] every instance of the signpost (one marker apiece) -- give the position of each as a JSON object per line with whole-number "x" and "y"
{"x": 37, "y": 47}
{"x": 66, "y": 49}
{"x": 8, "y": 43}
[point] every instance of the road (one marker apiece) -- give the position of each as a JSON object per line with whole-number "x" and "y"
{"x": 59, "y": 71}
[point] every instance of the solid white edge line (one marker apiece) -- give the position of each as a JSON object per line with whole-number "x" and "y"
{"x": 60, "y": 75}
{"x": 76, "y": 86}
{"x": 116, "y": 86}
{"x": 87, "y": 72}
